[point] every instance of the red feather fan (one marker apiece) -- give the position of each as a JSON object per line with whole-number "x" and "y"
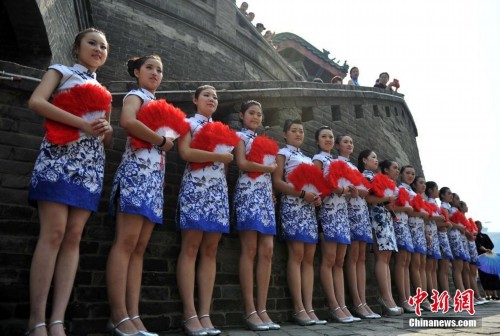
{"x": 403, "y": 197}
{"x": 79, "y": 101}
{"x": 164, "y": 119}
{"x": 459, "y": 218}
{"x": 473, "y": 225}
{"x": 418, "y": 203}
{"x": 445, "y": 215}
{"x": 306, "y": 175}
{"x": 359, "y": 180}
{"x": 263, "y": 151}
{"x": 431, "y": 207}
{"x": 340, "y": 175}
{"x": 214, "y": 137}
{"x": 383, "y": 186}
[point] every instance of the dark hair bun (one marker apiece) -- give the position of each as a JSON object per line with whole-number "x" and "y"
{"x": 131, "y": 66}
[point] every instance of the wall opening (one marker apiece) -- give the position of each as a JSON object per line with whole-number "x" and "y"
{"x": 387, "y": 111}
{"x": 376, "y": 111}
{"x": 358, "y": 111}
{"x": 307, "y": 114}
{"x": 335, "y": 112}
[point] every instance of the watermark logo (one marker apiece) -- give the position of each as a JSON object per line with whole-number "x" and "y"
{"x": 462, "y": 301}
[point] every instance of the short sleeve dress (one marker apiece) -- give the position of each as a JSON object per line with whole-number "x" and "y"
{"x": 454, "y": 236}
{"x": 298, "y": 218}
{"x": 138, "y": 183}
{"x": 253, "y": 198}
{"x": 203, "y": 199}
{"x": 72, "y": 173}
{"x": 332, "y": 215}
{"x": 433, "y": 250}
{"x": 402, "y": 230}
{"x": 382, "y": 223}
{"x": 359, "y": 217}
{"x": 416, "y": 227}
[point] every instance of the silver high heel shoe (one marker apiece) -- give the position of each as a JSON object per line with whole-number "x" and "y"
{"x": 317, "y": 322}
{"x": 36, "y": 326}
{"x": 189, "y": 332}
{"x": 113, "y": 328}
{"x": 389, "y": 311}
{"x": 372, "y": 315}
{"x": 354, "y": 318}
{"x": 407, "y": 308}
{"x": 335, "y": 318}
{"x": 210, "y": 331}
{"x": 272, "y": 325}
{"x": 254, "y": 326}
{"x": 143, "y": 332}
{"x": 303, "y": 323}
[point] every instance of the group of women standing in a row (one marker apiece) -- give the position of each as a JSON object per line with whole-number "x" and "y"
{"x": 67, "y": 183}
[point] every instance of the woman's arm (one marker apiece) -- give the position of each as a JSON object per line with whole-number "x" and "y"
{"x": 39, "y": 102}
{"x": 197, "y": 155}
{"x": 129, "y": 122}
{"x": 286, "y": 188}
{"x": 250, "y": 166}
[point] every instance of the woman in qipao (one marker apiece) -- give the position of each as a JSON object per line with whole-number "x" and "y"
{"x": 203, "y": 217}
{"x": 67, "y": 178}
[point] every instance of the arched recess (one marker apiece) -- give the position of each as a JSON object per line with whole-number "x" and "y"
{"x": 23, "y": 36}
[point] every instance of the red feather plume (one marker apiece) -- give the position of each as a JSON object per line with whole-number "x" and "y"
{"x": 263, "y": 151}
{"x": 383, "y": 186}
{"x": 163, "y": 118}
{"x": 445, "y": 215}
{"x": 307, "y": 174}
{"x": 403, "y": 197}
{"x": 418, "y": 203}
{"x": 79, "y": 101}
{"x": 214, "y": 137}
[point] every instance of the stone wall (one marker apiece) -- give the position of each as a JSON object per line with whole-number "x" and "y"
{"x": 347, "y": 109}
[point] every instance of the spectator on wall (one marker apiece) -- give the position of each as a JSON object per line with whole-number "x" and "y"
{"x": 260, "y": 27}
{"x": 383, "y": 80}
{"x": 337, "y": 80}
{"x": 268, "y": 36}
{"x": 354, "y": 73}
{"x": 243, "y": 8}
{"x": 251, "y": 16}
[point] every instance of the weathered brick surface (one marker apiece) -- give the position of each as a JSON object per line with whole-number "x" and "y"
{"x": 199, "y": 44}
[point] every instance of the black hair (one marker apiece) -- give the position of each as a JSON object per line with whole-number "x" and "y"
{"x": 442, "y": 192}
{"x": 352, "y": 69}
{"x": 79, "y": 37}
{"x": 402, "y": 170}
{"x": 363, "y": 155}
{"x": 429, "y": 185}
{"x": 386, "y": 164}
{"x": 383, "y": 73}
{"x": 202, "y": 88}
{"x": 247, "y": 104}
{"x": 289, "y": 123}
{"x": 461, "y": 205}
{"x": 413, "y": 185}
{"x": 136, "y": 63}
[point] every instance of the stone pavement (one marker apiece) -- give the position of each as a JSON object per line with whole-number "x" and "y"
{"x": 488, "y": 314}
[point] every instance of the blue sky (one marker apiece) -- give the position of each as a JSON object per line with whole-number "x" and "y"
{"x": 446, "y": 55}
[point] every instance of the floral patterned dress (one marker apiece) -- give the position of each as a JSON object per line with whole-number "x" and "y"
{"x": 138, "y": 183}
{"x": 73, "y": 173}
{"x": 382, "y": 223}
{"x": 332, "y": 214}
{"x": 417, "y": 227}
{"x": 474, "y": 258}
{"x": 203, "y": 200}
{"x": 454, "y": 236}
{"x": 433, "y": 251}
{"x": 253, "y": 202}
{"x": 359, "y": 217}
{"x": 402, "y": 231}
{"x": 298, "y": 218}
